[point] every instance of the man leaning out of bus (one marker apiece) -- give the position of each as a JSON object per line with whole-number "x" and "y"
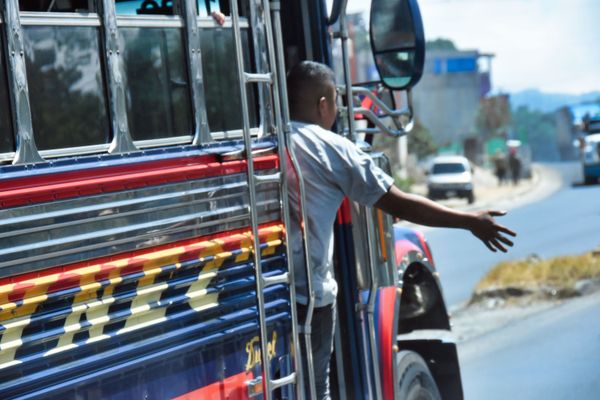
{"x": 332, "y": 167}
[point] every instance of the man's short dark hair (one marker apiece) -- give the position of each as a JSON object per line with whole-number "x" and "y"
{"x": 307, "y": 82}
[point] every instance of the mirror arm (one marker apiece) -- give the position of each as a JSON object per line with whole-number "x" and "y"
{"x": 406, "y": 111}
{"x": 336, "y": 11}
{"x": 388, "y": 112}
{"x": 377, "y": 122}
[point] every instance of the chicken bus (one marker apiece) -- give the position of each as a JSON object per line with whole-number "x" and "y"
{"x": 143, "y": 206}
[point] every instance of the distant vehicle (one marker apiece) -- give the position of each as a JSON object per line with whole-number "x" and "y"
{"x": 590, "y": 150}
{"x": 450, "y": 176}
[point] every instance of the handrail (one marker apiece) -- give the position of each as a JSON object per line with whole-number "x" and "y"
{"x": 266, "y": 373}
{"x": 282, "y": 119}
{"x": 397, "y": 115}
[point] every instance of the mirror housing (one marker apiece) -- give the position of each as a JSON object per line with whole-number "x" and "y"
{"x": 397, "y": 42}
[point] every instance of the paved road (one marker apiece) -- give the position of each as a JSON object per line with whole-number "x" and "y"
{"x": 551, "y": 355}
{"x": 566, "y": 222}
{"x": 554, "y": 355}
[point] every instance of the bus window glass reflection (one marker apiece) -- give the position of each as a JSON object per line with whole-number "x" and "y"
{"x": 158, "y": 93}
{"x": 66, "y": 90}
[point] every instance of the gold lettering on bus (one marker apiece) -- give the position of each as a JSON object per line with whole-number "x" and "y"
{"x": 254, "y": 353}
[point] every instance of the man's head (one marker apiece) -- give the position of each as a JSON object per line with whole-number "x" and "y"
{"x": 311, "y": 94}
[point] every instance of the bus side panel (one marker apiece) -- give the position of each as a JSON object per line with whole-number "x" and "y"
{"x": 165, "y": 321}
{"x": 125, "y": 277}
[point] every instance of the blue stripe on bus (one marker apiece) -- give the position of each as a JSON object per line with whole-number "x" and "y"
{"x": 129, "y": 354}
{"x": 87, "y": 373}
{"x": 98, "y": 161}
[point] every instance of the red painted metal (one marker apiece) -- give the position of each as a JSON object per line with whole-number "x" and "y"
{"x": 21, "y": 284}
{"x": 344, "y": 215}
{"x": 231, "y": 388}
{"x": 387, "y": 338}
{"x": 45, "y": 188}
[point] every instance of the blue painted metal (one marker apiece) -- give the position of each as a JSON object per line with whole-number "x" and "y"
{"x": 347, "y": 300}
{"x": 233, "y": 319}
{"x": 591, "y": 170}
{"x": 80, "y": 163}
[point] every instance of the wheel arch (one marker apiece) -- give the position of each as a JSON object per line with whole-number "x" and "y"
{"x": 424, "y": 325}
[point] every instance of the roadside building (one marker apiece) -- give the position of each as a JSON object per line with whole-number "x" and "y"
{"x": 449, "y": 97}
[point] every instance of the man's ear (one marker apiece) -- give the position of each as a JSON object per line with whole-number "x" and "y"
{"x": 322, "y": 105}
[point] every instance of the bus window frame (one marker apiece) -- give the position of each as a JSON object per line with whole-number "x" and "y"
{"x": 176, "y": 21}
{"x": 70, "y": 19}
{"x": 234, "y": 134}
{"x": 94, "y": 19}
{"x": 9, "y": 155}
{"x": 168, "y": 22}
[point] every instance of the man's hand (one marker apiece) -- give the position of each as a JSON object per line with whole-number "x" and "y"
{"x": 218, "y": 16}
{"x": 493, "y": 235}
{"x": 423, "y": 211}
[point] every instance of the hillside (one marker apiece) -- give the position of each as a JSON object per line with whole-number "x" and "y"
{"x": 548, "y": 102}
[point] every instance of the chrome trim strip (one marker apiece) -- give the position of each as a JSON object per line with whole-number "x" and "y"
{"x": 7, "y": 156}
{"x": 194, "y": 63}
{"x": 204, "y": 23}
{"x": 103, "y": 148}
{"x": 146, "y": 240}
{"x": 172, "y": 141}
{"x": 26, "y": 151}
{"x": 234, "y": 134}
{"x": 97, "y": 148}
{"x": 114, "y": 71}
{"x": 150, "y": 21}
{"x": 30, "y": 18}
{"x": 71, "y": 230}
{"x": 108, "y": 206}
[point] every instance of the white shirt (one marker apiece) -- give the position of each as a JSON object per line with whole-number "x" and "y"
{"x": 332, "y": 167}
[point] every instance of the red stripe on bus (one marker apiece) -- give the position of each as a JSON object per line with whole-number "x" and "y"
{"x": 230, "y": 388}
{"x": 228, "y": 241}
{"x": 344, "y": 213}
{"x": 387, "y": 339}
{"x": 44, "y": 188}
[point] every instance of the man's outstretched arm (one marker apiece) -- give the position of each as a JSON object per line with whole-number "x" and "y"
{"x": 422, "y": 211}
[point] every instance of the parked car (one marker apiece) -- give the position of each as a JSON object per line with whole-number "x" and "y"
{"x": 450, "y": 176}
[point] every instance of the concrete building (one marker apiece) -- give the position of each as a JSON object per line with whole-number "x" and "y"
{"x": 448, "y": 97}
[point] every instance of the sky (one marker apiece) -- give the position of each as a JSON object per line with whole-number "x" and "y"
{"x": 549, "y": 45}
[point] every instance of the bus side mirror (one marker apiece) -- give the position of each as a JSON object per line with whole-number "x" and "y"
{"x": 397, "y": 42}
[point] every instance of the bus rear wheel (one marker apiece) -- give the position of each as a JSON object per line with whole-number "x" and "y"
{"x": 416, "y": 381}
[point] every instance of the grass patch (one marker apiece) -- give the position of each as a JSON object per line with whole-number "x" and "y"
{"x": 559, "y": 273}
{"x": 404, "y": 184}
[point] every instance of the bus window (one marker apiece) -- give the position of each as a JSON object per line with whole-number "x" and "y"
{"x": 79, "y": 6}
{"x": 221, "y": 84}
{"x": 144, "y": 7}
{"x": 159, "y": 104}
{"x": 206, "y": 7}
{"x": 66, "y": 90}
{"x": 7, "y": 140}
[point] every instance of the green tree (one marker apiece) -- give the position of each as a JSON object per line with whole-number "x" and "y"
{"x": 538, "y": 129}
{"x": 420, "y": 141}
{"x": 440, "y": 44}
{"x": 493, "y": 116}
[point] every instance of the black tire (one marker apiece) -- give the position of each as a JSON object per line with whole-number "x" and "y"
{"x": 415, "y": 379}
{"x": 589, "y": 180}
{"x": 471, "y": 198}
